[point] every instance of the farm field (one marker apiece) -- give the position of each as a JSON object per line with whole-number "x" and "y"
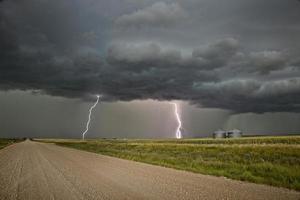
{"x": 267, "y": 160}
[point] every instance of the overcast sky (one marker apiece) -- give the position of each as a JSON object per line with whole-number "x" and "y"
{"x": 228, "y": 64}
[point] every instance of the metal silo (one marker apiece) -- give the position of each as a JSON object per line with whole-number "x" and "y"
{"x": 219, "y": 134}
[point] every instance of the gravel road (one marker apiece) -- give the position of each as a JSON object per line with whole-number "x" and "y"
{"x": 37, "y": 171}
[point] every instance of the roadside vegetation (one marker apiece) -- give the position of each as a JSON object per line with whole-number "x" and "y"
{"x": 6, "y": 142}
{"x": 267, "y": 160}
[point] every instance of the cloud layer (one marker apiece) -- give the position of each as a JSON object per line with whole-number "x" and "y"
{"x": 61, "y": 53}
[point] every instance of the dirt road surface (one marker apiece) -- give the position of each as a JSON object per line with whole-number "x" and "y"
{"x": 37, "y": 171}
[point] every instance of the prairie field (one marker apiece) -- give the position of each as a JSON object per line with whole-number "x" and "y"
{"x": 266, "y": 160}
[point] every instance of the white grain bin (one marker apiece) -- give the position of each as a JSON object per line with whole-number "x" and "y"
{"x": 219, "y": 134}
{"x": 235, "y": 133}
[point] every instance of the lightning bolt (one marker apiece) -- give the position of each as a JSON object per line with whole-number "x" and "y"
{"x": 178, "y": 133}
{"x": 89, "y": 118}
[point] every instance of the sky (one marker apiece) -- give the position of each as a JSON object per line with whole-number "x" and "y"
{"x": 229, "y": 64}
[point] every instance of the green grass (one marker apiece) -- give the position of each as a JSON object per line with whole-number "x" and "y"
{"x": 268, "y": 160}
{"x": 6, "y": 142}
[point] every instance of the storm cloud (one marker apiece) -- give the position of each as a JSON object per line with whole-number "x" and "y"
{"x": 78, "y": 49}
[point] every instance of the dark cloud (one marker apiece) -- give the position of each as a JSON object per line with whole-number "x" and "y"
{"x": 251, "y": 95}
{"x": 47, "y": 46}
{"x": 266, "y": 61}
{"x": 218, "y": 54}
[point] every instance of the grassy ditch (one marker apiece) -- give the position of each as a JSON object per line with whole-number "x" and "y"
{"x": 6, "y": 142}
